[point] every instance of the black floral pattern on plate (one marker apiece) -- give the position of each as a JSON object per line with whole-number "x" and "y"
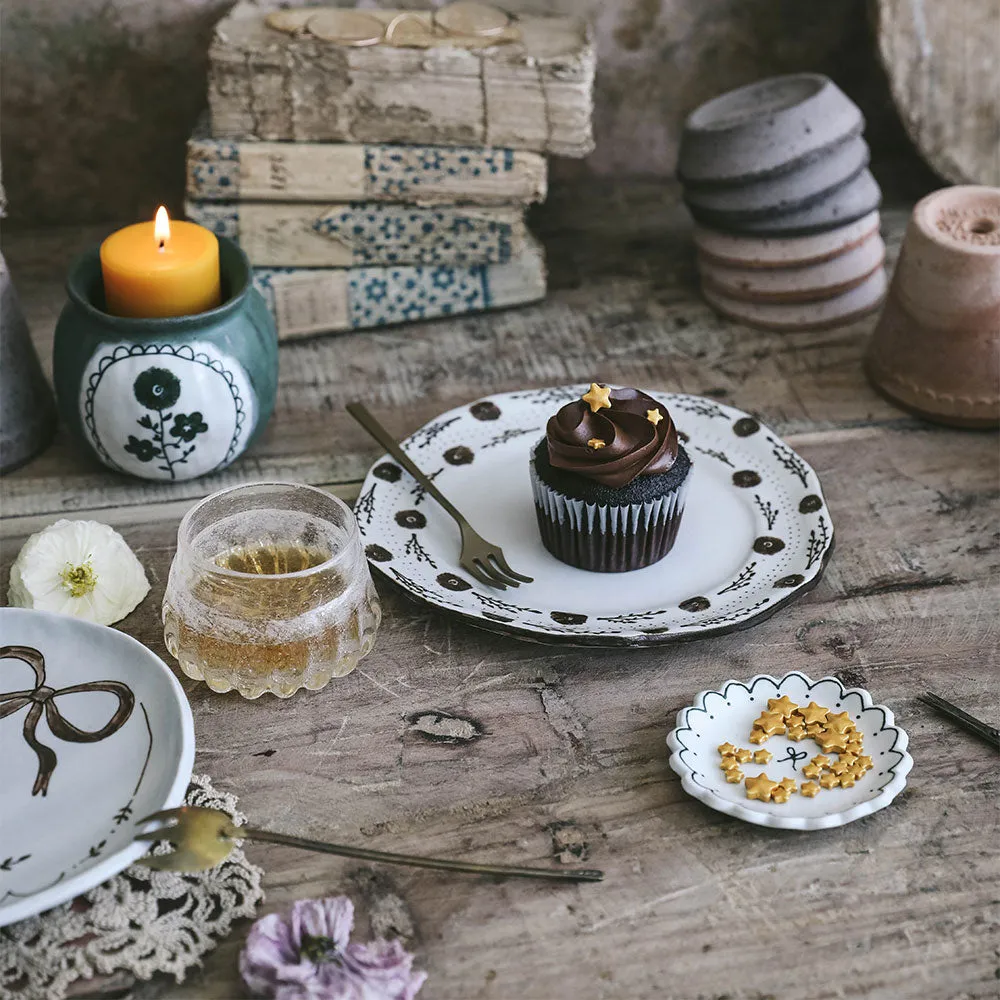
{"x": 378, "y": 553}
{"x": 745, "y": 426}
{"x": 746, "y": 478}
{"x": 810, "y": 503}
{"x": 459, "y": 455}
{"x": 485, "y": 411}
{"x": 568, "y": 617}
{"x": 767, "y": 545}
{"x": 451, "y": 581}
{"x": 387, "y": 471}
{"x": 694, "y": 604}
{"x": 411, "y": 519}
{"x": 792, "y": 580}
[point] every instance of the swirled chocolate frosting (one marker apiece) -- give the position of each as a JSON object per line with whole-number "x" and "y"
{"x": 614, "y": 445}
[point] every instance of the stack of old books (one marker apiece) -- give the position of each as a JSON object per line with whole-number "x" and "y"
{"x": 376, "y": 166}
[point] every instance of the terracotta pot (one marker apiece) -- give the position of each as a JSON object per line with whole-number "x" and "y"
{"x": 936, "y": 347}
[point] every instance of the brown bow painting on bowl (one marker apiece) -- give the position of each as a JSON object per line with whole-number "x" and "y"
{"x": 936, "y": 347}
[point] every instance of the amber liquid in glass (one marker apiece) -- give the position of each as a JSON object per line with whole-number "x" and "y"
{"x": 259, "y": 605}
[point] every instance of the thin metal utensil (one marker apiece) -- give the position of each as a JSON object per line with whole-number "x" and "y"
{"x": 204, "y": 837}
{"x": 968, "y": 722}
{"x": 482, "y": 559}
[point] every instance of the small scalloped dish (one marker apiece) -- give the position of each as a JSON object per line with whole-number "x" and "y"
{"x": 728, "y": 715}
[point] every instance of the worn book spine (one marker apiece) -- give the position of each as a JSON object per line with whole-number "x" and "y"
{"x": 277, "y": 234}
{"x": 226, "y": 170}
{"x": 533, "y": 94}
{"x": 326, "y": 300}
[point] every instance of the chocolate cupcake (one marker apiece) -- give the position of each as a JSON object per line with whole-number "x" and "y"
{"x": 609, "y": 481}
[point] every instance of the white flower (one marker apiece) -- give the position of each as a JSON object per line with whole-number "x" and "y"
{"x": 79, "y": 568}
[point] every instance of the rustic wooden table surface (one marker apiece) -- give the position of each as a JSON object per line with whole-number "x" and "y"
{"x": 564, "y": 759}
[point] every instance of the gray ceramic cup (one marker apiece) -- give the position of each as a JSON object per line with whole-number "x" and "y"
{"x": 766, "y": 128}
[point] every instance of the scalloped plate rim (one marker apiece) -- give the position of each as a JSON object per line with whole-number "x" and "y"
{"x": 880, "y": 800}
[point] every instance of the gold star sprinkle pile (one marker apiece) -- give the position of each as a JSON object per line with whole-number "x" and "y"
{"x": 835, "y": 733}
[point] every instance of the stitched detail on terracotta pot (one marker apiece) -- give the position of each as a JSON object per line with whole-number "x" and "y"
{"x": 920, "y": 390}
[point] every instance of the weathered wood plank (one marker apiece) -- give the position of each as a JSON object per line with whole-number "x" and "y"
{"x": 227, "y": 170}
{"x": 571, "y": 765}
{"x": 570, "y": 762}
{"x": 533, "y": 94}
{"x": 365, "y": 234}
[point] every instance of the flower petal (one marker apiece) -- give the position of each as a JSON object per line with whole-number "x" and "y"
{"x": 37, "y": 581}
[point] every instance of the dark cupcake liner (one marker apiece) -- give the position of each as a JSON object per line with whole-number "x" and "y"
{"x": 607, "y": 538}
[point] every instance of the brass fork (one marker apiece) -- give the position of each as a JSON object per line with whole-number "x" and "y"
{"x": 480, "y": 558}
{"x": 204, "y": 837}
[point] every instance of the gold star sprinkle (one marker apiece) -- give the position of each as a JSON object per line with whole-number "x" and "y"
{"x": 734, "y": 776}
{"x": 654, "y": 416}
{"x": 796, "y": 733}
{"x": 789, "y": 784}
{"x": 783, "y": 705}
{"x": 829, "y": 780}
{"x": 821, "y": 760}
{"x": 865, "y": 763}
{"x": 840, "y": 768}
{"x": 839, "y": 723}
{"x": 762, "y": 757}
{"x": 814, "y": 713}
{"x": 728, "y": 762}
{"x": 848, "y": 779}
{"x": 832, "y": 741}
{"x": 811, "y": 771}
{"x": 771, "y": 723}
{"x": 761, "y": 787}
{"x": 814, "y": 728}
{"x": 780, "y": 794}
{"x": 727, "y": 749}
{"x": 599, "y": 397}
{"x": 758, "y": 736}
{"x": 809, "y": 789}
{"x": 744, "y": 756}
{"x": 596, "y": 443}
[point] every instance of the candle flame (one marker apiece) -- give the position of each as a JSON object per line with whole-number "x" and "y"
{"x": 161, "y": 227}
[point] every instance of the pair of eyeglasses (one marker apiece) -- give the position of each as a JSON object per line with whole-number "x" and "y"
{"x": 354, "y": 28}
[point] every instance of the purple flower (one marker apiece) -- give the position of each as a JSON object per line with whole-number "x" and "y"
{"x": 308, "y": 956}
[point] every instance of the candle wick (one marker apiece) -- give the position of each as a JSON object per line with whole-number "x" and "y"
{"x": 163, "y": 243}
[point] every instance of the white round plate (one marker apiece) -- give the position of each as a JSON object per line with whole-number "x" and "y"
{"x": 114, "y": 741}
{"x": 727, "y": 715}
{"x": 756, "y": 531}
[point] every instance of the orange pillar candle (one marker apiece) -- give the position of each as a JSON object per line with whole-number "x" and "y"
{"x": 161, "y": 268}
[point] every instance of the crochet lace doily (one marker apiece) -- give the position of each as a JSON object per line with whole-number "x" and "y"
{"x": 139, "y": 923}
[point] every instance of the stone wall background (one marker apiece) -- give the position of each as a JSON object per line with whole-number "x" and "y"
{"x": 98, "y": 96}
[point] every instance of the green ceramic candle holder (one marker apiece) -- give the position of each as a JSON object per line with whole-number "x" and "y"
{"x": 166, "y": 399}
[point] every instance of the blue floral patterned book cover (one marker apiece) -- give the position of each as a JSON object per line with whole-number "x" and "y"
{"x": 365, "y": 233}
{"x": 230, "y": 170}
{"x": 308, "y": 301}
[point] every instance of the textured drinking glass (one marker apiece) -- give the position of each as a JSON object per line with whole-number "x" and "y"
{"x": 269, "y": 591}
